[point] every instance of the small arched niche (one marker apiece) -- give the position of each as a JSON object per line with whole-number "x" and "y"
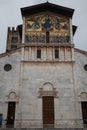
{"x": 12, "y": 97}
{"x": 83, "y": 96}
{"x": 48, "y": 89}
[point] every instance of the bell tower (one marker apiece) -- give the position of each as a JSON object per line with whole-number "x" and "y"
{"x": 14, "y": 38}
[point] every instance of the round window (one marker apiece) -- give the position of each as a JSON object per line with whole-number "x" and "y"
{"x": 7, "y": 67}
{"x": 85, "y": 67}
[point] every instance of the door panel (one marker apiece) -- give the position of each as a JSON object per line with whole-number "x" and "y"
{"x": 84, "y": 112}
{"x": 0, "y": 119}
{"x": 11, "y": 113}
{"x": 48, "y": 110}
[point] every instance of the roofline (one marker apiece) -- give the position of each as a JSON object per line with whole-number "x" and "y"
{"x": 9, "y": 53}
{"x": 16, "y": 50}
{"x": 80, "y": 51}
{"x": 40, "y": 7}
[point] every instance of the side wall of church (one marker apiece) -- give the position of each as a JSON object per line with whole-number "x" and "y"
{"x": 9, "y": 82}
{"x": 26, "y": 79}
{"x": 80, "y": 80}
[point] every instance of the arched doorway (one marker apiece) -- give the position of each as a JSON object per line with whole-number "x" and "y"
{"x": 83, "y": 97}
{"x": 11, "y": 109}
{"x": 11, "y": 114}
{"x": 47, "y": 92}
{"x": 48, "y": 110}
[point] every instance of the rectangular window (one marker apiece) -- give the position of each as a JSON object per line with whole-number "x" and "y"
{"x": 13, "y": 46}
{"x": 56, "y": 53}
{"x": 14, "y": 40}
{"x": 47, "y": 37}
{"x": 39, "y": 54}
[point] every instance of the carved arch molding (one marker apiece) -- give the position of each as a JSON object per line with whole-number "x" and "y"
{"x": 12, "y": 96}
{"x": 83, "y": 96}
{"x": 48, "y": 89}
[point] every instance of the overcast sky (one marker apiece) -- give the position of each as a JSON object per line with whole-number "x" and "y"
{"x": 10, "y": 15}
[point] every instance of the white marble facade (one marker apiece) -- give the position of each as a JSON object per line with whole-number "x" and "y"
{"x": 23, "y": 82}
{"x": 30, "y": 79}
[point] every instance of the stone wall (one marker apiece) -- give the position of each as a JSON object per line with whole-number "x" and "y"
{"x": 9, "y": 82}
{"x": 27, "y": 78}
{"x": 34, "y": 75}
{"x": 29, "y": 53}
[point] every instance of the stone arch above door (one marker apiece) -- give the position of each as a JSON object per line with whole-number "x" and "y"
{"x": 83, "y": 96}
{"x": 12, "y": 96}
{"x": 48, "y": 89}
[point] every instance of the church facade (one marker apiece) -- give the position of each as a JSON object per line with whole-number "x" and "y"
{"x": 43, "y": 77}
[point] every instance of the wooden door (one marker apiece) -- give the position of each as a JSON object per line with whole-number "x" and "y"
{"x": 11, "y": 114}
{"x": 48, "y": 111}
{"x": 84, "y": 112}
